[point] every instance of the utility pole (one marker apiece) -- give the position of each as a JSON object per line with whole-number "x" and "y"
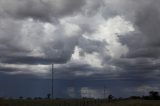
{"x": 52, "y": 81}
{"x": 104, "y": 91}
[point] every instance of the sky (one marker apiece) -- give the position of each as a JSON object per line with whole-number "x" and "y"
{"x": 93, "y": 44}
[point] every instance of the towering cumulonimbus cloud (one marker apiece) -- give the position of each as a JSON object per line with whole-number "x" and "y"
{"x": 83, "y": 38}
{"x": 143, "y": 57}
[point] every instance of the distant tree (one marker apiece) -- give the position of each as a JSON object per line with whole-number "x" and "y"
{"x": 154, "y": 95}
{"x": 146, "y": 97}
{"x": 135, "y": 97}
{"x": 21, "y": 97}
{"x": 48, "y": 96}
{"x": 110, "y": 97}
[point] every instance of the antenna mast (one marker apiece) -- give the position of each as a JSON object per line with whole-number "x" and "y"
{"x": 52, "y": 82}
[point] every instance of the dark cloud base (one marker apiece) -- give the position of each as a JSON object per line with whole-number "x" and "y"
{"x": 21, "y": 85}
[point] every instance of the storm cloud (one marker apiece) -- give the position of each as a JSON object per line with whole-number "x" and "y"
{"x": 107, "y": 39}
{"x": 44, "y": 10}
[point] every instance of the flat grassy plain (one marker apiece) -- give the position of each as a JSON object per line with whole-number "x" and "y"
{"x": 133, "y": 103}
{"x": 79, "y": 103}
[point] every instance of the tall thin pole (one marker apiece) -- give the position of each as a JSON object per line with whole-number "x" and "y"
{"x": 52, "y": 81}
{"x": 104, "y": 91}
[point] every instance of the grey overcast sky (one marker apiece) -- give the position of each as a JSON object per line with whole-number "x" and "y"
{"x": 92, "y": 43}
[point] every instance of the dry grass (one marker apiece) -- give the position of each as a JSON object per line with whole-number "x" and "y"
{"x": 78, "y": 103}
{"x": 134, "y": 103}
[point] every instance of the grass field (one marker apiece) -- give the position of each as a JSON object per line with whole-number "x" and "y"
{"x": 79, "y": 103}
